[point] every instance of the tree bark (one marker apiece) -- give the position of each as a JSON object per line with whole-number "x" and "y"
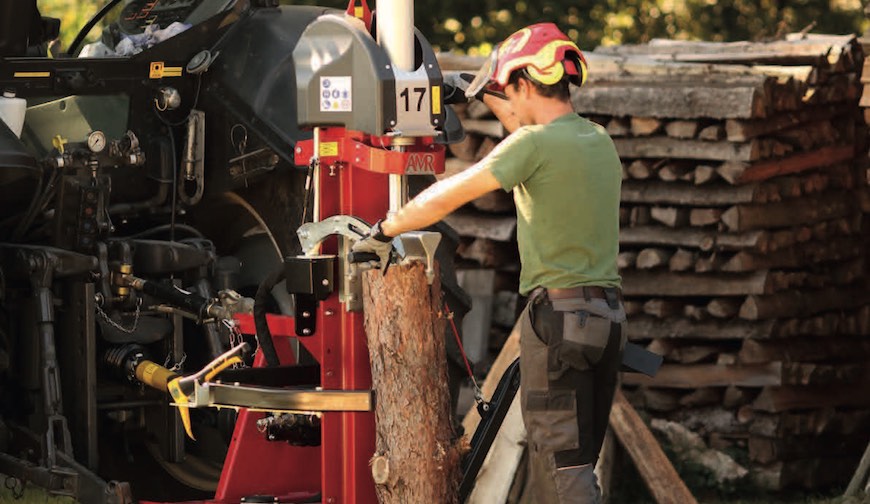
{"x": 417, "y": 457}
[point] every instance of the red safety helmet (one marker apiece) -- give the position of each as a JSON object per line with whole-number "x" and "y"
{"x": 547, "y": 54}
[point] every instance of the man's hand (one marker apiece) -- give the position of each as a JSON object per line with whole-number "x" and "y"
{"x": 376, "y": 242}
{"x": 455, "y": 86}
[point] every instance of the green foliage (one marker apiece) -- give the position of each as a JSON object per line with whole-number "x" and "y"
{"x": 73, "y": 14}
{"x": 473, "y": 26}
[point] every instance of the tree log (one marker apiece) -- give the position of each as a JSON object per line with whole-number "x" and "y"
{"x": 682, "y": 129}
{"x": 645, "y": 126}
{"x": 417, "y": 457}
{"x": 653, "y": 258}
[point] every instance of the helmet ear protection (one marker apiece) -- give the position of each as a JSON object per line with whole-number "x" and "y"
{"x": 542, "y": 50}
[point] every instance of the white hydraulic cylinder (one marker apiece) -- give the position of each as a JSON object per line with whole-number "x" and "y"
{"x": 396, "y": 31}
{"x": 396, "y": 36}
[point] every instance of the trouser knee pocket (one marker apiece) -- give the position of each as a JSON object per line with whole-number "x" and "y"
{"x": 551, "y": 420}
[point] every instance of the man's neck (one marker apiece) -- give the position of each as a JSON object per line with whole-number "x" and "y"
{"x": 548, "y": 110}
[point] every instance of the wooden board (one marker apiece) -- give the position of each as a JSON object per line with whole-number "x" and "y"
{"x": 654, "y": 283}
{"x": 656, "y": 470}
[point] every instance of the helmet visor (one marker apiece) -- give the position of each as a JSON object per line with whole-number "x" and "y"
{"x": 484, "y": 76}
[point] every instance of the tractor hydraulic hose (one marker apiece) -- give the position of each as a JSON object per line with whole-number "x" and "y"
{"x": 261, "y": 300}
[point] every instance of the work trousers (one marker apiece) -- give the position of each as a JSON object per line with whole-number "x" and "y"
{"x": 571, "y": 352}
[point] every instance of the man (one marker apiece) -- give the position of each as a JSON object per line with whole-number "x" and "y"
{"x": 565, "y": 175}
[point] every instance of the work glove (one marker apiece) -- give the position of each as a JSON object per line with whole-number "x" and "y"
{"x": 455, "y": 86}
{"x": 376, "y": 242}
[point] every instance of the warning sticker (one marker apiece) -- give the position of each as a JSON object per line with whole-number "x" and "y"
{"x": 335, "y": 94}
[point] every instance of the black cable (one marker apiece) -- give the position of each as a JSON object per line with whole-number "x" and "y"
{"x": 174, "y": 188}
{"x": 261, "y": 299}
{"x": 166, "y": 227}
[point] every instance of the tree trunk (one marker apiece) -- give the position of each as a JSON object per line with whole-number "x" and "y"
{"x": 417, "y": 457}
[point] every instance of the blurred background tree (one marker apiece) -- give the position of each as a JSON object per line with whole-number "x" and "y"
{"x": 472, "y": 26}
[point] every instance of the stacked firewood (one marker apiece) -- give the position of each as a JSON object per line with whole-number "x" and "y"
{"x": 743, "y": 242}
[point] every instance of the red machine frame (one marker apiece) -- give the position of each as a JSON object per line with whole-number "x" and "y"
{"x": 353, "y": 181}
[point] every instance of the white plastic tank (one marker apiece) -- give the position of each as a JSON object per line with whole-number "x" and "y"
{"x": 12, "y": 110}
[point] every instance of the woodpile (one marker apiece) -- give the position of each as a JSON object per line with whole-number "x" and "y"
{"x": 743, "y": 240}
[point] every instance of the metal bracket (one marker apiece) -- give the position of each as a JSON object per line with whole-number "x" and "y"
{"x": 215, "y": 394}
{"x": 313, "y": 233}
{"x": 419, "y": 246}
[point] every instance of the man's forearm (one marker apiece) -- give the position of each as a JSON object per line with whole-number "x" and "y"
{"x": 441, "y": 198}
{"x": 426, "y": 209}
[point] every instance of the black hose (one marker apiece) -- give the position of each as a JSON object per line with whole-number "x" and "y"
{"x": 165, "y": 227}
{"x": 261, "y": 299}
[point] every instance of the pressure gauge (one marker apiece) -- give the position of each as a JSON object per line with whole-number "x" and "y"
{"x": 97, "y": 141}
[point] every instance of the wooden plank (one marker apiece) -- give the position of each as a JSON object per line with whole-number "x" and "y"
{"x": 825, "y": 156}
{"x": 653, "y": 283}
{"x": 681, "y": 352}
{"x": 656, "y": 470}
{"x": 499, "y": 228}
{"x": 665, "y": 100}
{"x": 810, "y": 209}
{"x": 705, "y": 240}
{"x": 740, "y": 131}
{"x": 798, "y": 256}
{"x": 692, "y": 376}
{"x": 797, "y": 397}
{"x": 802, "y": 303}
{"x": 685, "y": 376}
{"x": 795, "y": 45}
{"x": 642, "y": 328}
{"x": 666, "y": 147}
{"x": 804, "y": 350}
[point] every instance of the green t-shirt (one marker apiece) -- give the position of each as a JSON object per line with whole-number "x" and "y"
{"x": 566, "y": 178}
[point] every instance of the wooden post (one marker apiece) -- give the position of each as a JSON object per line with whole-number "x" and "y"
{"x": 417, "y": 455}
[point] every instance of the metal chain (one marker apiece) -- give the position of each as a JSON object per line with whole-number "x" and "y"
{"x": 178, "y": 365}
{"x": 236, "y": 337}
{"x": 119, "y": 326}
